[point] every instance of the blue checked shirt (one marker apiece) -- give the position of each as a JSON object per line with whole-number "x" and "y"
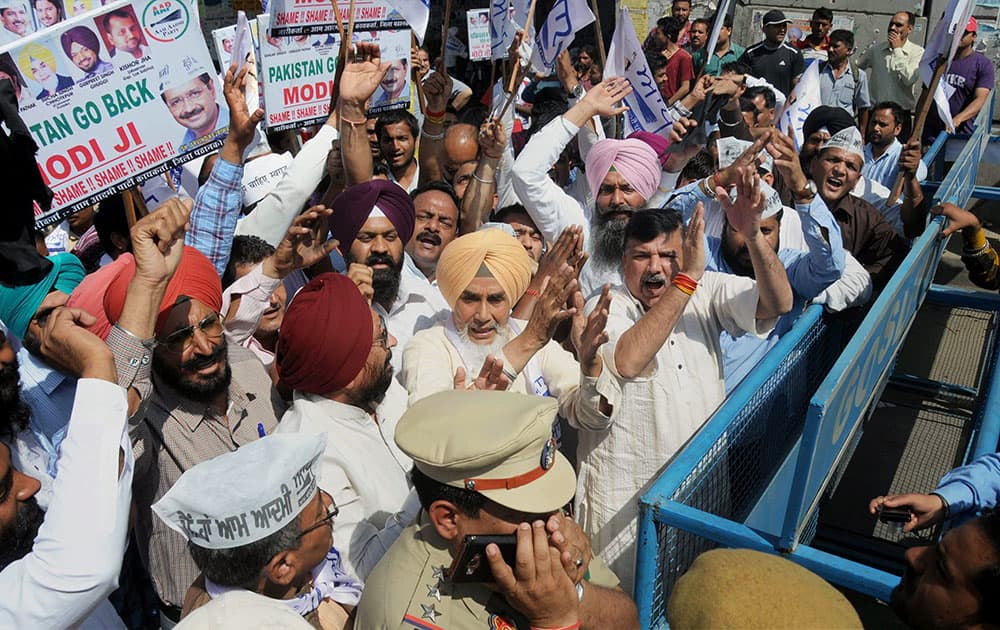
{"x": 216, "y": 210}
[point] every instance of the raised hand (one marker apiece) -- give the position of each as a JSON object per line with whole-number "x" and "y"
{"x": 681, "y": 128}
{"x": 361, "y": 275}
{"x": 549, "y": 312}
{"x": 909, "y": 157}
{"x": 786, "y": 159}
{"x": 66, "y": 344}
{"x": 744, "y": 212}
{"x": 588, "y": 333}
{"x": 363, "y": 71}
{"x": 602, "y": 98}
{"x": 242, "y": 122}
{"x": 437, "y": 90}
{"x": 925, "y": 509}
{"x": 572, "y": 543}
{"x": 491, "y": 377}
{"x": 958, "y": 218}
{"x": 302, "y": 245}
{"x": 158, "y": 241}
{"x": 537, "y": 586}
{"x": 566, "y": 72}
{"x": 694, "y": 244}
{"x": 492, "y": 139}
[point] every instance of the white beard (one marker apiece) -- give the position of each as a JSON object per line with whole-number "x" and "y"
{"x": 474, "y": 354}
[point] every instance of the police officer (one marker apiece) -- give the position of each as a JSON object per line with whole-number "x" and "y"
{"x": 486, "y": 462}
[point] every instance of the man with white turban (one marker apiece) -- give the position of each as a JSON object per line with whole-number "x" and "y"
{"x": 480, "y": 346}
{"x": 622, "y": 176}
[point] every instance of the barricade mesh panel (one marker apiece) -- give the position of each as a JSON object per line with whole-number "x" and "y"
{"x": 734, "y": 473}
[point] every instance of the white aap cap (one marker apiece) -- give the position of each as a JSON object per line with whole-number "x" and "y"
{"x": 262, "y": 174}
{"x": 849, "y": 140}
{"x": 732, "y": 148}
{"x": 244, "y": 496}
{"x": 772, "y": 200}
{"x": 184, "y": 70}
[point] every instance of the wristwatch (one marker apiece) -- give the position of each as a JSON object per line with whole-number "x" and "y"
{"x": 806, "y": 193}
{"x": 578, "y": 91}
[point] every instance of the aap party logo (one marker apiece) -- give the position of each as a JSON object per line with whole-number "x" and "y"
{"x": 166, "y": 20}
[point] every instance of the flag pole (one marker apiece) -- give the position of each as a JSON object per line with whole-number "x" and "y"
{"x": 923, "y": 108}
{"x": 444, "y": 37}
{"x": 600, "y": 34}
{"x": 517, "y": 66}
{"x": 421, "y": 101}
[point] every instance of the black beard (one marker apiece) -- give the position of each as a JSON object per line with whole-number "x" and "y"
{"x": 608, "y": 238}
{"x": 371, "y": 395}
{"x": 385, "y": 282}
{"x": 14, "y": 413}
{"x": 199, "y": 391}
{"x": 18, "y": 538}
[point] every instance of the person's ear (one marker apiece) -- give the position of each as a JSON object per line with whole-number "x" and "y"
{"x": 281, "y": 568}
{"x": 444, "y": 515}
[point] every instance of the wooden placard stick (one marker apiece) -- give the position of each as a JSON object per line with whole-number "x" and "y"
{"x": 421, "y": 100}
{"x": 600, "y": 34}
{"x": 443, "y": 66}
{"x": 923, "y": 108}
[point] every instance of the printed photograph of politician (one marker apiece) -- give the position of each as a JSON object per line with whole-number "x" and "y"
{"x": 16, "y": 21}
{"x": 49, "y": 12}
{"x": 40, "y": 66}
{"x": 8, "y": 70}
{"x": 123, "y": 35}
{"x": 394, "y": 90}
{"x": 188, "y": 89}
{"x": 82, "y": 46}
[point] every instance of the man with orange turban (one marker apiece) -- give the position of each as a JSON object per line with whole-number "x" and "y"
{"x": 334, "y": 351}
{"x": 622, "y": 176}
{"x": 208, "y": 397}
{"x": 481, "y": 276}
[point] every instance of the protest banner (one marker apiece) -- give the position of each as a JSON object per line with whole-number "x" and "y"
{"x": 110, "y": 112}
{"x": 647, "y": 111}
{"x": 224, "y": 40}
{"x": 298, "y": 74}
{"x": 300, "y": 17}
{"x": 416, "y": 13}
{"x": 479, "y": 34}
{"x": 804, "y": 98}
{"x": 564, "y": 20}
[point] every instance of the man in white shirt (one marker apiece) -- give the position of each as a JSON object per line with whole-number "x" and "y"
{"x": 622, "y": 174}
{"x": 334, "y": 352}
{"x": 662, "y": 374}
{"x": 58, "y": 566}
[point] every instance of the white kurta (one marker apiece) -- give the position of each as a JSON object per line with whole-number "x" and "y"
{"x": 363, "y": 470}
{"x": 655, "y": 413}
{"x": 65, "y": 580}
{"x": 430, "y": 361}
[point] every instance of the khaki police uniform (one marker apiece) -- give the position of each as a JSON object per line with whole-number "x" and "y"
{"x": 498, "y": 444}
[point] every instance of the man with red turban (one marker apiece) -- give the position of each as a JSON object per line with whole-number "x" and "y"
{"x": 622, "y": 175}
{"x": 480, "y": 346}
{"x": 373, "y": 222}
{"x": 334, "y": 352}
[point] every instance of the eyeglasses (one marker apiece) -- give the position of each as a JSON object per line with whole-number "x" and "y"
{"x": 383, "y": 339}
{"x": 331, "y": 513}
{"x": 180, "y": 340}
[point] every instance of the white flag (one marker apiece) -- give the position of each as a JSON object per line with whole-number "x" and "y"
{"x": 416, "y": 13}
{"x": 647, "y": 111}
{"x": 564, "y": 20}
{"x": 804, "y": 98}
{"x": 502, "y": 27}
{"x": 944, "y": 41}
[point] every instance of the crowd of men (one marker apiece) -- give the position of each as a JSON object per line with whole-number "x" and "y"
{"x": 303, "y": 400}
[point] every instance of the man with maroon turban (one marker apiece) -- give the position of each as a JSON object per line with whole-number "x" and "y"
{"x": 373, "y": 222}
{"x": 334, "y": 351}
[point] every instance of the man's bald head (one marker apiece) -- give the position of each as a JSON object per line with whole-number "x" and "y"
{"x": 461, "y": 144}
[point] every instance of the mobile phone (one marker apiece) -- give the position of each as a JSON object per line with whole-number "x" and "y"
{"x": 894, "y": 515}
{"x": 471, "y": 563}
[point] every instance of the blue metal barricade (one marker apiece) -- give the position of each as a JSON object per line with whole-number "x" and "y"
{"x": 752, "y": 475}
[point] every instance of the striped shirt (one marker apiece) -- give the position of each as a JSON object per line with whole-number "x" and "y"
{"x": 171, "y": 434}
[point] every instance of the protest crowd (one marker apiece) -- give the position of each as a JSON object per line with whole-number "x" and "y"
{"x": 413, "y": 366}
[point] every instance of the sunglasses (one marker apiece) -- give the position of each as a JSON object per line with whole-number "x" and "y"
{"x": 182, "y": 339}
